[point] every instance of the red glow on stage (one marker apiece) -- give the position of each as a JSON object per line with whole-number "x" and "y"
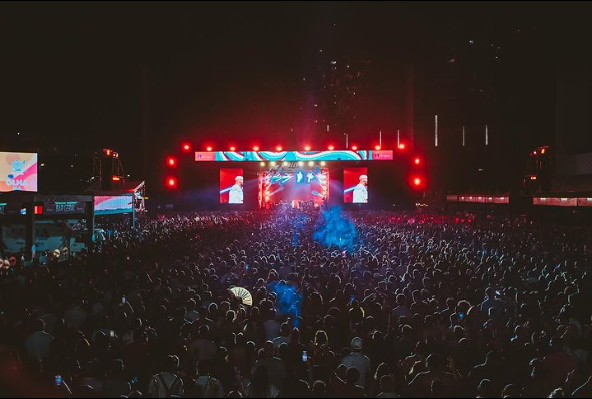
{"x": 209, "y": 149}
{"x": 377, "y": 148}
{"x": 256, "y": 148}
{"x": 402, "y": 146}
{"x": 172, "y": 162}
{"x": 417, "y": 182}
{"x": 232, "y": 149}
{"x": 172, "y": 182}
{"x": 307, "y": 148}
{"x": 331, "y": 147}
{"x": 417, "y": 161}
{"x": 355, "y": 148}
{"x": 279, "y": 148}
{"x": 186, "y": 147}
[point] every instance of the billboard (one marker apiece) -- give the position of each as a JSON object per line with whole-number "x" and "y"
{"x": 111, "y": 204}
{"x": 18, "y": 172}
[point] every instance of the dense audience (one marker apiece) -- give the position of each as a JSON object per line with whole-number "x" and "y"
{"x": 413, "y": 305}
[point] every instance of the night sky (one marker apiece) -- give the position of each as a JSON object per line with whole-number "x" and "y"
{"x": 142, "y": 77}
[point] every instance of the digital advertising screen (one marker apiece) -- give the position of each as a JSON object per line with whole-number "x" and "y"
{"x": 231, "y": 186}
{"x": 18, "y": 172}
{"x": 110, "y": 205}
{"x": 355, "y": 185}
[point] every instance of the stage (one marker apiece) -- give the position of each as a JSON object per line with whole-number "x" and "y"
{"x": 255, "y": 180}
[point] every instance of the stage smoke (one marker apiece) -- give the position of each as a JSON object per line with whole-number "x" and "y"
{"x": 335, "y": 229}
{"x": 289, "y": 301}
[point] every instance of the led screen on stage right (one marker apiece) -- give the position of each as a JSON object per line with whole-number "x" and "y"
{"x": 355, "y": 185}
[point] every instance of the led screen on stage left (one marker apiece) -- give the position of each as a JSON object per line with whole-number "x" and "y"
{"x": 355, "y": 185}
{"x": 18, "y": 172}
{"x": 231, "y": 186}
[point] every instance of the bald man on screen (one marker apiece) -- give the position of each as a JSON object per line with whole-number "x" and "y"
{"x": 361, "y": 191}
{"x": 236, "y": 192}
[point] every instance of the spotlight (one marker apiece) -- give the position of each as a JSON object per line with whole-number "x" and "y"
{"x": 377, "y": 148}
{"x": 172, "y": 182}
{"x": 286, "y": 163}
{"x": 311, "y": 163}
{"x": 273, "y": 163}
{"x": 417, "y": 161}
{"x": 256, "y": 149}
{"x": 323, "y": 163}
{"x": 307, "y": 148}
{"x": 279, "y": 148}
{"x": 186, "y": 147}
{"x": 232, "y": 149}
{"x": 300, "y": 163}
{"x": 402, "y": 146}
{"x": 209, "y": 149}
{"x": 355, "y": 148}
{"x": 172, "y": 162}
{"x": 331, "y": 147}
{"x": 262, "y": 164}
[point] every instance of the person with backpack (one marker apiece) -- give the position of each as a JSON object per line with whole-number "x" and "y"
{"x": 167, "y": 384}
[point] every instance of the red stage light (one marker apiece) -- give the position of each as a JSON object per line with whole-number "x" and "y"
{"x": 417, "y": 182}
{"x": 402, "y": 146}
{"x": 417, "y": 161}
{"x": 209, "y": 149}
{"x": 355, "y": 148}
{"x": 172, "y": 182}
{"x": 186, "y": 147}
{"x": 108, "y": 152}
{"x": 331, "y": 147}
{"x": 172, "y": 162}
{"x": 232, "y": 149}
{"x": 377, "y": 148}
{"x": 116, "y": 178}
{"x": 256, "y": 149}
{"x": 279, "y": 148}
{"x": 307, "y": 148}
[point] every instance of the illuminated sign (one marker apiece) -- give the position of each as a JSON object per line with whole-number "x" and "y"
{"x": 65, "y": 208}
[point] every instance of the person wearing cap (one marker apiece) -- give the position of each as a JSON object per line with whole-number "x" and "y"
{"x": 359, "y": 361}
{"x": 236, "y": 192}
{"x": 361, "y": 191}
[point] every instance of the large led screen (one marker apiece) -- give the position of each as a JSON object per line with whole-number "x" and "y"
{"x": 18, "y": 172}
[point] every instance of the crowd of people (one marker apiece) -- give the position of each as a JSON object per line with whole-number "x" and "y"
{"x": 411, "y": 305}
